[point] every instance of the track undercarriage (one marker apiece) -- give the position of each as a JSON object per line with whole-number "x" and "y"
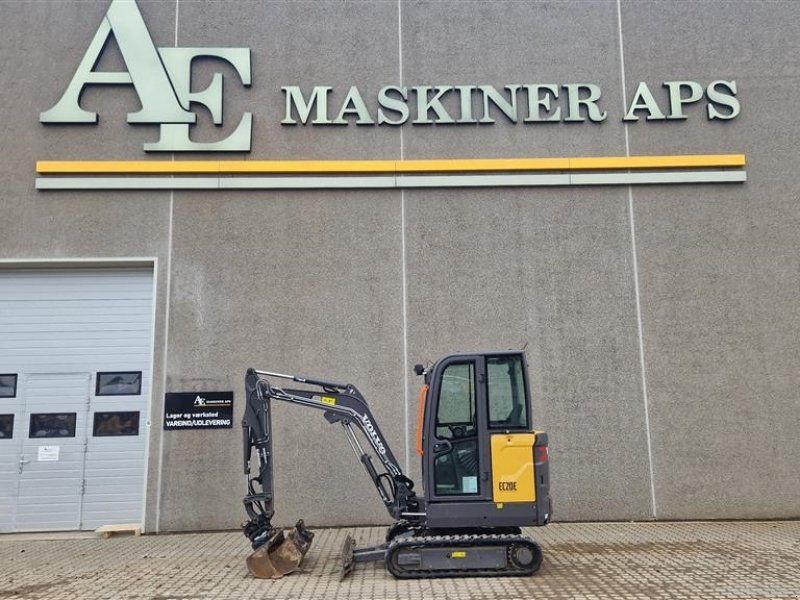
{"x": 417, "y": 553}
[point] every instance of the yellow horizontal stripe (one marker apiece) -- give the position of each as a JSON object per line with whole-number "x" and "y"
{"x": 658, "y": 162}
{"x": 461, "y": 165}
{"x": 482, "y": 164}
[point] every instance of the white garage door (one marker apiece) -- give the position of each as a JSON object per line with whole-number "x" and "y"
{"x": 75, "y": 356}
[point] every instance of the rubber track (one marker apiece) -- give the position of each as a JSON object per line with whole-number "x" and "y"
{"x": 467, "y": 542}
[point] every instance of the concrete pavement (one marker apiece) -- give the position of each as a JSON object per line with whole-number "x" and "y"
{"x": 589, "y": 561}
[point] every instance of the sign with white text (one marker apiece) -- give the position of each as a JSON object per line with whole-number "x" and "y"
{"x": 198, "y": 410}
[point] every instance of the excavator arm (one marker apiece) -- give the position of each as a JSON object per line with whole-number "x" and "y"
{"x": 275, "y": 554}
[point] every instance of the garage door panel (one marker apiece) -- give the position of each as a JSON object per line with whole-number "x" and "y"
{"x": 58, "y": 329}
{"x": 105, "y": 503}
{"x": 124, "y": 480}
{"x": 90, "y": 330}
{"x": 100, "y": 456}
{"x": 75, "y": 287}
{"x": 33, "y": 315}
{"x": 61, "y": 501}
{"x": 8, "y": 488}
{"x": 70, "y": 472}
{"x": 57, "y": 510}
{"x": 80, "y": 352}
{"x": 120, "y": 445}
{"x": 71, "y": 295}
{"x": 125, "y": 515}
{"x": 103, "y": 489}
{"x": 6, "y": 512}
{"x": 75, "y": 310}
{"x": 106, "y": 332}
{"x": 110, "y": 466}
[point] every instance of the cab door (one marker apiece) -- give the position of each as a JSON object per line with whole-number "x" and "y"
{"x": 456, "y": 458}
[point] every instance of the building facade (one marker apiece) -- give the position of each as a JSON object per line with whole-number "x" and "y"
{"x": 347, "y": 189}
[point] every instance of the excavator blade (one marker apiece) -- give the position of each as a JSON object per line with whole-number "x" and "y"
{"x": 347, "y": 557}
{"x": 281, "y": 554}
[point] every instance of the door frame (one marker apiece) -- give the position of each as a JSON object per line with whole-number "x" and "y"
{"x": 81, "y": 412}
{"x": 481, "y": 417}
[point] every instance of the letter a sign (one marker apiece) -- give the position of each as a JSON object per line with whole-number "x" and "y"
{"x": 161, "y": 78}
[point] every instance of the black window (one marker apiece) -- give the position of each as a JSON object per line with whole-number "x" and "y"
{"x": 506, "y": 384}
{"x": 52, "y": 425}
{"x": 107, "y": 424}
{"x": 119, "y": 383}
{"x": 8, "y": 385}
{"x": 6, "y": 426}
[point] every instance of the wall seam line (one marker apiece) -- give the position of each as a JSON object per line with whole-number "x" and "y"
{"x": 406, "y": 399}
{"x": 636, "y": 286}
{"x": 166, "y": 320}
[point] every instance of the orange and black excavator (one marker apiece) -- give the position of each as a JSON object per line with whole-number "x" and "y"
{"x": 485, "y": 472}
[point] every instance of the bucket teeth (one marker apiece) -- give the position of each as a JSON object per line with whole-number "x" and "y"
{"x": 301, "y": 537}
{"x": 281, "y": 554}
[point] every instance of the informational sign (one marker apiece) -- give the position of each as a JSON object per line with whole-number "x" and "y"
{"x": 198, "y": 410}
{"x": 48, "y": 453}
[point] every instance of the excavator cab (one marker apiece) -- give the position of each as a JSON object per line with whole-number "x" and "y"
{"x": 483, "y": 464}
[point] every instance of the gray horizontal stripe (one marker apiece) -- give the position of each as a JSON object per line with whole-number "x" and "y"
{"x": 386, "y": 182}
{"x": 307, "y": 182}
{"x": 127, "y": 183}
{"x": 659, "y": 177}
{"x": 519, "y": 180}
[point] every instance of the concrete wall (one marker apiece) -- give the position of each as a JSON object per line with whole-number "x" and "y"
{"x": 360, "y": 285}
{"x": 719, "y": 269}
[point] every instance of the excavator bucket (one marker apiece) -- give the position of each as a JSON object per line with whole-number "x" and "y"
{"x": 281, "y": 554}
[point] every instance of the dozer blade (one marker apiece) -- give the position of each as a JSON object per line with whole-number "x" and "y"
{"x": 281, "y": 554}
{"x": 348, "y": 558}
{"x": 352, "y": 555}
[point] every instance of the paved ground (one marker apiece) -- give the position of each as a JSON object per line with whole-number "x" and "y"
{"x": 638, "y": 561}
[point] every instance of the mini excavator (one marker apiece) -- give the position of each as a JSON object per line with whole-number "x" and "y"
{"x": 485, "y": 472}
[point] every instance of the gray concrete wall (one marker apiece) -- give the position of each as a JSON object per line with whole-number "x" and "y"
{"x": 360, "y": 285}
{"x": 719, "y": 268}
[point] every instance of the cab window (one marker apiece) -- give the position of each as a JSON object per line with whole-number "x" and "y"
{"x": 506, "y": 391}
{"x": 455, "y": 417}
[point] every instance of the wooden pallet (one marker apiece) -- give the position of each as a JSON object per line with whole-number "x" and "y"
{"x": 106, "y": 531}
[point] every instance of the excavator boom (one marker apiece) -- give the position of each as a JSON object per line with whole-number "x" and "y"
{"x": 276, "y": 553}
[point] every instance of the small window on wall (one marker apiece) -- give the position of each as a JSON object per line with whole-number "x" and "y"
{"x": 108, "y": 424}
{"x": 52, "y": 425}
{"x": 6, "y": 426}
{"x": 8, "y": 385}
{"x": 119, "y": 383}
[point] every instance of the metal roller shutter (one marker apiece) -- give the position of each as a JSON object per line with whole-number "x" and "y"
{"x": 72, "y": 444}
